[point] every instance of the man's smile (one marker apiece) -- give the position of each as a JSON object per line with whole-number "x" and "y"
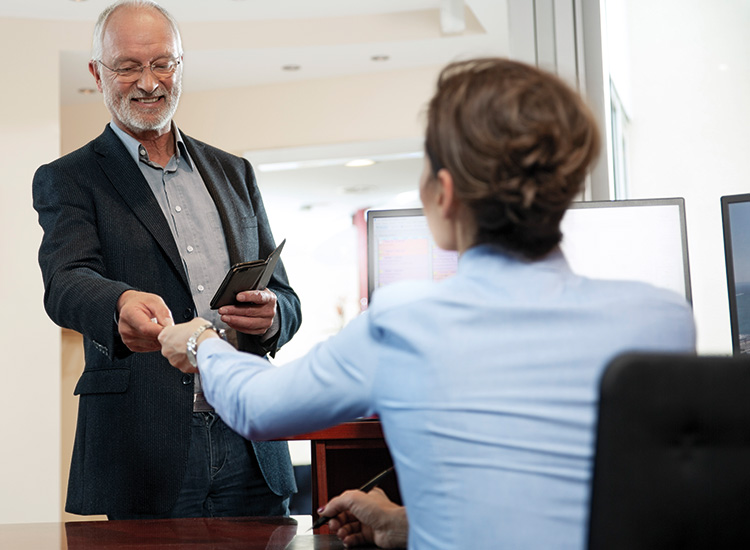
{"x": 147, "y": 99}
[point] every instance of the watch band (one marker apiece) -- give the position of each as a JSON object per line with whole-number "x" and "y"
{"x": 192, "y": 343}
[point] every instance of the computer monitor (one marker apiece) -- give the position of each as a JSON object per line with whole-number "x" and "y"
{"x": 643, "y": 240}
{"x": 639, "y": 239}
{"x": 735, "y": 215}
{"x": 400, "y": 247}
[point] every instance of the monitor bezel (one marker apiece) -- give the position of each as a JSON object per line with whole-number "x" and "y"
{"x": 670, "y": 201}
{"x": 726, "y": 223}
{"x": 381, "y": 213}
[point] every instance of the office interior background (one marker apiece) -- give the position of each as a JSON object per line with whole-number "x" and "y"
{"x": 295, "y": 85}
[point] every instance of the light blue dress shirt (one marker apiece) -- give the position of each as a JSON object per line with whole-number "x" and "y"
{"x": 486, "y": 386}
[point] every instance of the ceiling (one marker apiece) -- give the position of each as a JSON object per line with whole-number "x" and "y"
{"x": 235, "y": 43}
{"x": 240, "y": 43}
{"x": 220, "y": 10}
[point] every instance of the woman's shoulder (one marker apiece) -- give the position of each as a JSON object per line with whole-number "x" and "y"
{"x": 636, "y": 291}
{"x": 404, "y": 294}
{"x": 643, "y": 304}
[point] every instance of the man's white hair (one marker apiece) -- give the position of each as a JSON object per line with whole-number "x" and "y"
{"x": 101, "y": 23}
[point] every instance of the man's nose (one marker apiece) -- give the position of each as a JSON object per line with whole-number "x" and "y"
{"x": 147, "y": 81}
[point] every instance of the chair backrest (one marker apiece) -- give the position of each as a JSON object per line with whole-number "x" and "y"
{"x": 672, "y": 462}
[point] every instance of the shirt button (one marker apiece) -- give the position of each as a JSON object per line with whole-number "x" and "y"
{"x": 201, "y": 288}
{"x": 190, "y": 248}
{"x": 142, "y": 152}
{"x": 178, "y": 208}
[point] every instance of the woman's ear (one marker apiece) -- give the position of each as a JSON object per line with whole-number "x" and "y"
{"x": 446, "y": 199}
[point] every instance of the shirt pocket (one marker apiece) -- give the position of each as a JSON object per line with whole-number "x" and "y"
{"x": 246, "y": 234}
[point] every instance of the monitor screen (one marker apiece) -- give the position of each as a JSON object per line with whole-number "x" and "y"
{"x": 400, "y": 248}
{"x": 735, "y": 214}
{"x": 643, "y": 240}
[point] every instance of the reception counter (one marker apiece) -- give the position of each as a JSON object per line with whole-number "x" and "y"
{"x": 346, "y": 456}
{"x": 275, "y": 533}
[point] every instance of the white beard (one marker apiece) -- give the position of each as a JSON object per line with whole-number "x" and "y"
{"x": 120, "y": 106}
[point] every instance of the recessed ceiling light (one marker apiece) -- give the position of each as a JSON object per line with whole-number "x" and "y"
{"x": 291, "y": 67}
{"x": 356, "y": 189}
{"x": 380, "y": 57}
{"x": 359, "y": 163}
{"x": 78, "y": 0}
{"x": 86, "y": 91}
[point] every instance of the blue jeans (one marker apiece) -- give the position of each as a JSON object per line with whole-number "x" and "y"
{"x": 223, "y": 478}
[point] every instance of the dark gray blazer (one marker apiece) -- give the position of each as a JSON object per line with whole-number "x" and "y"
{"x": 104, "y": 233}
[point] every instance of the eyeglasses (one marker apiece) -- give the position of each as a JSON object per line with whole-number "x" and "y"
{"x": 160, "y": 69}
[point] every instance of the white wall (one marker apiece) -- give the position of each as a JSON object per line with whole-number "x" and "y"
{"x": 311, "y": 112}
{"x": 689, "y": 90}
{"x": 30, "y": 368}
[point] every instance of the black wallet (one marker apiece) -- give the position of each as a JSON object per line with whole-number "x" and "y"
{"x": 246, "y": 276}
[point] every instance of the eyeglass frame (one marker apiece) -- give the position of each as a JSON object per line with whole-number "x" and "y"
{"x": 140, "y": 69}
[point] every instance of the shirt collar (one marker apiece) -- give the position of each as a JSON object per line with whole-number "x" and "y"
{"x": 137, "y": 150}
{"x": 554, "y": 259}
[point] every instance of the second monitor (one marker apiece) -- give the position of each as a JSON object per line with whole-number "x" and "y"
{"x": 643, "y": 240}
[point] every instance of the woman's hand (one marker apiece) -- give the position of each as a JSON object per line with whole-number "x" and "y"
{"x": 365, "y": 518}
{"x": 174, "y": 339}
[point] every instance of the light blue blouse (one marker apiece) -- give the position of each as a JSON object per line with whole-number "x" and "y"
{"x": 486, "y": 386}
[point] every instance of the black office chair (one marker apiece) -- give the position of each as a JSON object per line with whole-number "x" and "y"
{"x": 672, "y": 463}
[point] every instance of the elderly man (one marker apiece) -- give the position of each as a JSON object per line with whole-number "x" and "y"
{"x": 140, "y": 226}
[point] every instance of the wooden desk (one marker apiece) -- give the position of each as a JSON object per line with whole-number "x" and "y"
{"x": 345, "y": 457}
{"x": 275, "y": 533}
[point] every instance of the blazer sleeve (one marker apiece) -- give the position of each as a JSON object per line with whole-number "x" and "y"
{"x": 77, "y": 295}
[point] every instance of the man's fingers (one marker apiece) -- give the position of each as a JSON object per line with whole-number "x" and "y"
{"x": 142, "y": 314}
{"x": 142, "y": 346}
{"x": 143, "y": 340}
{"x": 259, "y": 297}
{"x": 249, "y": 310}
{"x": 147, "y": 336}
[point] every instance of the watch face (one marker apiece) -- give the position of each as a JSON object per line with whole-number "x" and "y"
{"x": 192, "y": 357}
{"x": 192, "y": 343}
{"x": 192, "y": 351}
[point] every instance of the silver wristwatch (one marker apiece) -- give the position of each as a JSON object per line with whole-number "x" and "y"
{"x": 192, "y": 343}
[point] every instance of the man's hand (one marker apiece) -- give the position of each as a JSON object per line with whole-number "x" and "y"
{"x": 254, "y": 314}
{"x": 141, "y": 316}
{"x": 367, "y": 518}
{"x": 174, "y": 339}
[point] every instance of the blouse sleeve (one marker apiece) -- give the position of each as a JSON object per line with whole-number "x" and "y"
{"x": 332, "y": 383}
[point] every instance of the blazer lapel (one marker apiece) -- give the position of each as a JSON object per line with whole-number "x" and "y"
{"x": 126, "y": 177}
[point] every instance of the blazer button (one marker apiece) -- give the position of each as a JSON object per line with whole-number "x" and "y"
{"x": 187, "y": 314}
{"x": 186, "y": 379}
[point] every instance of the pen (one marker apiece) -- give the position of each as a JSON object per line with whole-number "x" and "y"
{"x": 370, "y": 485}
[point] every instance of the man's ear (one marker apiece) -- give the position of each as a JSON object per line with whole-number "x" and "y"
{"x": 446, "y": 198}
{"x": 94, "y": 70}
